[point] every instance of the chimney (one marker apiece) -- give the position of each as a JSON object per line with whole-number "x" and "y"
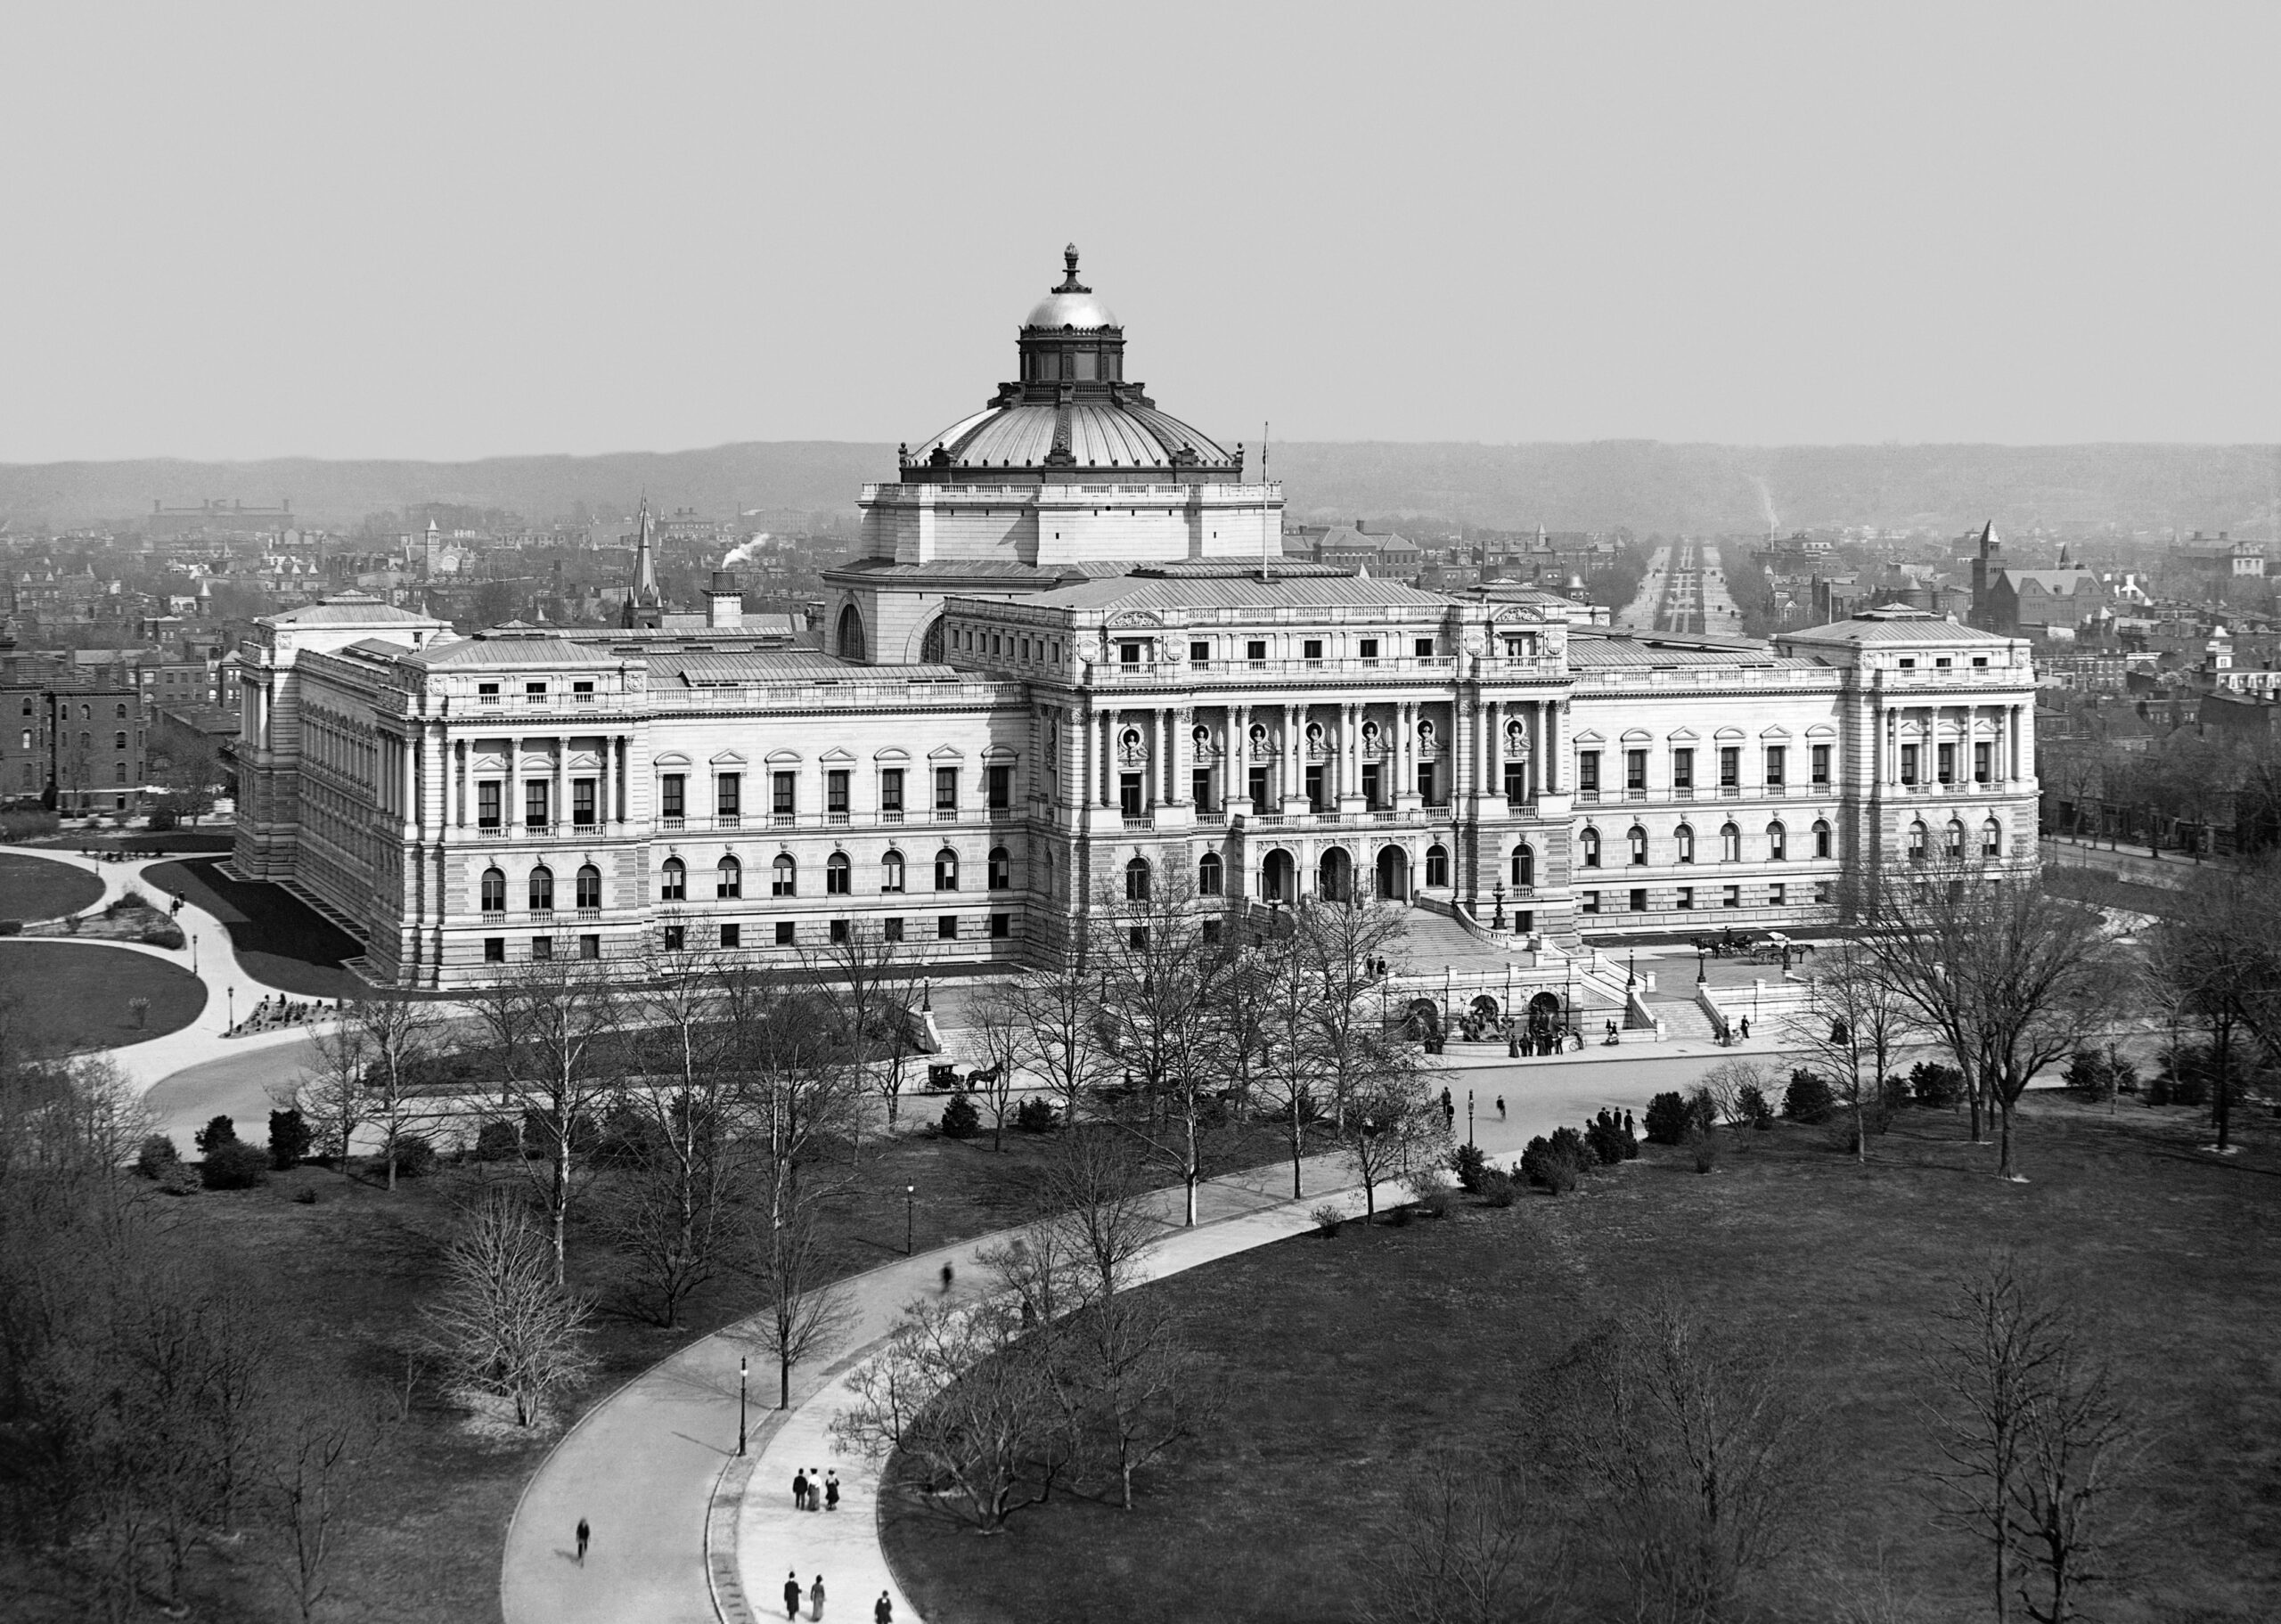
{"x": 724, "y": 602}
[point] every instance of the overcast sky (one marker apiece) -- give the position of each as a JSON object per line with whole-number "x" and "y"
{"x": 469, "y": 230}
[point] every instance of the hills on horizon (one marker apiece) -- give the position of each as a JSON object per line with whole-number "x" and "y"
{"x": 1648, "y": 486}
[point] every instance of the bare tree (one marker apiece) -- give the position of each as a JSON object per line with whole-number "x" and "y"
{"x": 309, "y": 1488}
{"x": 1058, "y": 1007}
{"x": 995, "y": 1024}
{"x": 1469, "y": 1544}
{"x": 1339, "y": 946}
{"x": 399, "y": 1039}
{"x": 2218, "y": 961}
{"x": 804, "y": 1310}
{"x": 555, "y": 1026}
{"x": 1394, "y": 1129}
{"x": 874, "y": 988}
{"x": 331, "y": 1093}
{"x": 1269, "y": 1012}
{"x": 503, "y": 1324}
{"x": 2004, "y": 974}
{"x": 1688, "y": 1455}
{"x": 1856, "y": 1021}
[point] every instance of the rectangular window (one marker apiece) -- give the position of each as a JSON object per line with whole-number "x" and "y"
{"x": 1199, "y": 655}
{"x": 582, "y": 693}
{"x": 1638, "y": 899}
{"x": 1776, "y": 758}
{"x": 1734, "y": 897}
{"x": 1635, "y": 771}
{"x": 891, "y": 929}
{"x": 1982, "y": 758}
{"x": 891, "y": 791}
{"x": 1368, "y": 649}
{"x": 999, "y": 782}
{"x": 1686, "y": 897}
{"x": 1683, "y": 769}
{"x": 730, "y": 935}
{"x": 728, "y": 796}
{"x": 487, "y": 803}
{"x": 835, "y": 792}
{"x": 1255, "y": 786}
{"x": 1908, "y": 662}
{"x": 670, "y": 791}
{"x": 582, "y": 803}
{"x": 1199, "y": 788}
{"x": 1946, "y": 764}
{"x": 1774, "y": 895}
{"x": 495, "y": 949}
{"x": 533, "y": 693}
{"x": 1129, "y": 654}
{"x": 590, "y": 947}
{"x": 534, "y": 806}
{"x": 1425, "y": 783}
{"x": 946, "y": 789}
{"x": 1821, "y": 765}
{"x": 1908, "y": 763}
{"x": 839, "y": 933}
{"x": 1128, "y": 794}
{"x": 780, "y": 793}
{"x": 1314, "y": 788}
{"x": 1310, "y": 650}
{"x": 1002, "y": 925}
{"x": 676, "y": 938}
{"x": 1587, "y": 772}
{"x": 946, "y": 928}
{"x": 1255, "y": 651}
{"x": 784, "y": 932}
{"x": 1730, "y": 766}
{"x": 487, "y": 693}
{"x": 1424, "y": 648}
{"x": 1589, "y": 902}
{"x": 542, "y": 947}
{"x": 1823, "y": 891}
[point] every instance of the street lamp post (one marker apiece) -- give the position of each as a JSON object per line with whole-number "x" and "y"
{"x": 1699, "y": 961}
{"x": 1468, "y": 1116}
{"x": 909, "y": 1202}
{"x": 1630, "y": 968}
{"x": 231, "y": 995}
{"x": 743, "y": 1372}
{"x": 1497, "y": 891}
{"x": 194, "y": 954}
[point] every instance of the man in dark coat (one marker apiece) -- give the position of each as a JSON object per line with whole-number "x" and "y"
{"x": 791, "y": 1595}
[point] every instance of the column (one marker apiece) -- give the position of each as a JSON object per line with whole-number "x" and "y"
{"x": 1554, "y": 778}
{"x": 458, "y": 814}
{"x": 1493, "y": 752}
{"x": 1295, "y": 752}
{"x": 1405, "y": 780}
{"x": 1183, "y": 753}
{"x": 1107, "y": 786}
{"x": 511, "y": 805}
{"x": 556, "y": 812}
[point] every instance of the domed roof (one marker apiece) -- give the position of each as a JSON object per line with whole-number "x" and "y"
{"x": 1071, "y": 304}
{"x": 1100, "y": 435}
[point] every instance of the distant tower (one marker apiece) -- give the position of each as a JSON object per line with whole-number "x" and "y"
{"x": 1990, "y": 551}
{"x": 644, "y": 604}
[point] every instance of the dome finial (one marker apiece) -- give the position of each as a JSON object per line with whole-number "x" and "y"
{"x": 1069, "y": 282}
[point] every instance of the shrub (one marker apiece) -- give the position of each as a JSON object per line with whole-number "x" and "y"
{"x": 1498, "y": 1189}
{"x": 1034, "y": 1115}
{"x": 1751, "y": 1107}
{"x": 232, "y": 1166}
{"x": 1938, "y": 1087}
{"x": 1469, "y": 1164}
{"x": 162, "y": 932}
{"x": 162, "y": 818}
{"x": 157, "y": 1155}
{"x": 179, "y": 1178}
{"x": 960, "y": 1119}
{"x": 1667, "y": 1119}
{"x": 27, "y": 825}
{"x": 498, "y": 1141}
{"x": 1433, "y": 1198}
{"x": 1606, "y": 1137}
{"x": 290, "y": 1137}
{"x": 307, "y": 1196}
{"x": 220, "y": 1132}
{"x": 415, "y": 1157}
{"x": 1329, "y": 1217}
{"x": 1706, "y": 1151}
{"x": 1572, "y": 1143}
{"x": 1887, "y": 1102}
{"x": 1544, "y": 1167}
{"x": 1808, "y": 1098}
{"x": 11, "y": 928}
{"x": 2089, "y": 1073}
{"x": 1703, "y": 1105}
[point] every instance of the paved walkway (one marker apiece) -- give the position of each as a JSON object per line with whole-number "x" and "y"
{"x": 645, "y": 1466}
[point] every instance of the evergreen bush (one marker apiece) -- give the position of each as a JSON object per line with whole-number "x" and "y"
{"x": 960, "y": 1119}
{"x": 498, "y": 1141}
{"x": 290, "y": 1137}
{"x": 217, "y": 1132}
{"x": 1940, "y": 1088}
{"x": 157, "y": 1155}
{"x": 232, "y": 1166}
{"x": 1668, "y": 1118}
{"x": 415, "y": 1157}
{"x": 1498, "y": 1187}
{"x": 1809, "y": 1098}
{"x": 1604, "y": 1135}
{"x": 1034, "y": 1115}
{"x": 1751, "y": 1107}
{"x": 1469, "y": 1164}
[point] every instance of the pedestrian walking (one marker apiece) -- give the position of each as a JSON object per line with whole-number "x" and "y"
{"x": 883, "y": 1610}
{"x": 584, "y": 1532}
{"x": 815, "y": 1598}
{"x": 831, "y": 1491}
{"x": 800, "y": 1491}
{"x": 1500, "y": 1108}
{"x": 816, "y": 1491}
{"x": 791, "y": 1595}
{"x": 1745, "y": 1028}
{"x": 949, "y": 1274}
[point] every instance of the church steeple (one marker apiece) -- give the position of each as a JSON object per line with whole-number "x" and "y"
{"x": 643, "y": 603}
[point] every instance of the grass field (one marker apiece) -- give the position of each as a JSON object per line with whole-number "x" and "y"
{"x": 1345, "y": 1357}
{"x": 35, "y": 888}
{"x": 278, "y": 939}
{"x": 75, "y": 994}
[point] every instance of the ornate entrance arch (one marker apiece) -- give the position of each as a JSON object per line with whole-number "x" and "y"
{"x": 1278, "y": 878}
{"x": 1335, "y": 875}
{"x": 1393, "y": 874}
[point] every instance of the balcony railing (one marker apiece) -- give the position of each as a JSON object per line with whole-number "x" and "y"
{"x": 782, "y": 820}
{"x": 491, "y": 831}
{"x": 1142, "y": 821}
{"x": 1589, "y": 796}
{"x": 894, "y": 815}
{"x": 728, "y": 819}
{"x": 672, "y": 822}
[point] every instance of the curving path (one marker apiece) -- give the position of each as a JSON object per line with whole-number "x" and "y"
{"x": 651, "y": 1467}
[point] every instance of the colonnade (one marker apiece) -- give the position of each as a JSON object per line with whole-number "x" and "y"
{"x": 2007, "y": 761}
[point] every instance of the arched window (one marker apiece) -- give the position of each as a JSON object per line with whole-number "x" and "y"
{"x": 1210, "y": 876}
{"x": 1822, "y": 838}
{"x": 1136, "y": 880}
{"x": 730, "y": 879}
{"x": 121, "y": 775}
{"x": 1590, "y": 846}
{"x": 87, "y": 712}
{"x": 542, "y": 889}
{"x": 1731, "y": 843}
{"x": 1955, "y": 839}
{"x": 1001, "y": 868}
{"x": 1437, "y": 865}
{"x": 590, "y": 886}
{"x": 1778, "y": 843}
{"x": 946, "y": 869}
{"x": 891, "y": 872}
{"x": 118, "y": 741}
{"x": 675, "y": 887}
{"x": 1638, "y": 843}
{"x": 494, "y": 891}
{"x": 1918, "y": 835}
{"x": 1992, "y": 838}
{"x": 1524, "y": 865}
{"x": 122, "y": 713}
{"x": 1685, "y": 840}
{"x": 838, "y": 875}
{"x": 783, "y": 876}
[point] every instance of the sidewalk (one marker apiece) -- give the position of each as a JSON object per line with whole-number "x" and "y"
{"x": 645, "y": 1464}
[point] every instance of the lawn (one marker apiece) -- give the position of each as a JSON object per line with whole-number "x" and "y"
{"x": 1345, "y": 1357}
{"x": 345, "y": 1279}
{"x": 280, "y": 940}
{"x": 34, "y": 888}
{"x": 75, "y": 994}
